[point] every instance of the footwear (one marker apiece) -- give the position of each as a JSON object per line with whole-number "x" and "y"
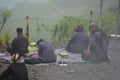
{"x": 62, "y": 63}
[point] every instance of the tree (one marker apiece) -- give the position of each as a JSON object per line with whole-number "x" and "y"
{"x": 4, "y": 15}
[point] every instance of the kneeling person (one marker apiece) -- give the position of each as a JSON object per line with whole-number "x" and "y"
{"x": 45, "y": 54}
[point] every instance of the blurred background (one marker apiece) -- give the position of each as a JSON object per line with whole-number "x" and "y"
{"x": 55, "y": 20}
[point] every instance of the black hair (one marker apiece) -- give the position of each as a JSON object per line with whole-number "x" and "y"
{"x": 79, "y": 28}
{"x": 39, "y": 41}
{"x": 19, "y": 30}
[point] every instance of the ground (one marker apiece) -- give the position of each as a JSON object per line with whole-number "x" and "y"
{"x": 79, "y": 71}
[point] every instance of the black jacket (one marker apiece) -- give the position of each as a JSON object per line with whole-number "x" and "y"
{"x": 20, "y": 45}
{"x": 16, "y": 71}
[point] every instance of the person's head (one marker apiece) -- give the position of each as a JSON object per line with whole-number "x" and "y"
{"x": 19, "y": 31}
{"x": 79, "y": 28}
{"x": 39, "y": 41}
{"x": 92, "y": 27}
{"x": 16, "y": 58}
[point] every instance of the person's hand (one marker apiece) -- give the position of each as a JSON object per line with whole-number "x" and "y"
{"x": 30, "y": 54}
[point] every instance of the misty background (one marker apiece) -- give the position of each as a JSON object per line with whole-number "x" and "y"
{"x": 49, "y": 12}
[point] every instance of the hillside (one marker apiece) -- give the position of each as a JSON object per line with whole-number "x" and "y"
{"x": 50, "y": 11}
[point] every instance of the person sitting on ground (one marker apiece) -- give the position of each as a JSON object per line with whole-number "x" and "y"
{"x": 105, "y": 39}
{"x": 79, "y": 41}
{"x": 45, "y": 54}
{"x": 19, "y": 44}
{"x": 97, "y": 50}
{"x": 16, "y": 70}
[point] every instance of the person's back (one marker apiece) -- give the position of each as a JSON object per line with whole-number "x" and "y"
{"x": 20, "y": 44}
{"x": 79, "y": 42}
{"x": 16, "y": 70}
{"x": 46, "y": 52}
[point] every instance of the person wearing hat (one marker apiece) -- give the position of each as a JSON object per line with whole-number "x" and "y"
{"x": 79, "y": 41}
{"x": 16, "y": 70}
{"x": 19, "y": 44}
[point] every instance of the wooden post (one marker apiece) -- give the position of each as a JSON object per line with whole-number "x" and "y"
{"x": 91, "y": 14}
{"x": 27, "y": 27}
{"x": 100, "y": 13}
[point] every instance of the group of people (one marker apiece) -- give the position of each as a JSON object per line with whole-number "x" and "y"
{"x": 92, "y": 48}
{"x": 20, "y": 45}
{"x": 19, "y": 49}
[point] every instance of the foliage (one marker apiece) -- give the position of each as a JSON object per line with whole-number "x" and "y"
{"x": 7, "y": 38}
{"x": 4, "y": 39}
{"x": 65, "y": 28}
{"x": 109, "y": 23}
{"x": 1, "y": 39}
{"x": 5, "y": 12}
{"x": 43, "y": 31}
{"x": 108, "y": 20}
{"x": 4, "y": 15}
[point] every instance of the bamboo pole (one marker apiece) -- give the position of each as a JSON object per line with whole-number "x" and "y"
{"x": 90, "y": 19}
{"x": 100, "y": 13}
{"x": 27, "y": 27}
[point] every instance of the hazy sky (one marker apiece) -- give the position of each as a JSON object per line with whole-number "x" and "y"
{"x": 12, "y": 3}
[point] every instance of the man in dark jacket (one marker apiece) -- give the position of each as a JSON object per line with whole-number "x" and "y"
{"x": 79, "y": 41}
{"x": 19, "y": 44}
